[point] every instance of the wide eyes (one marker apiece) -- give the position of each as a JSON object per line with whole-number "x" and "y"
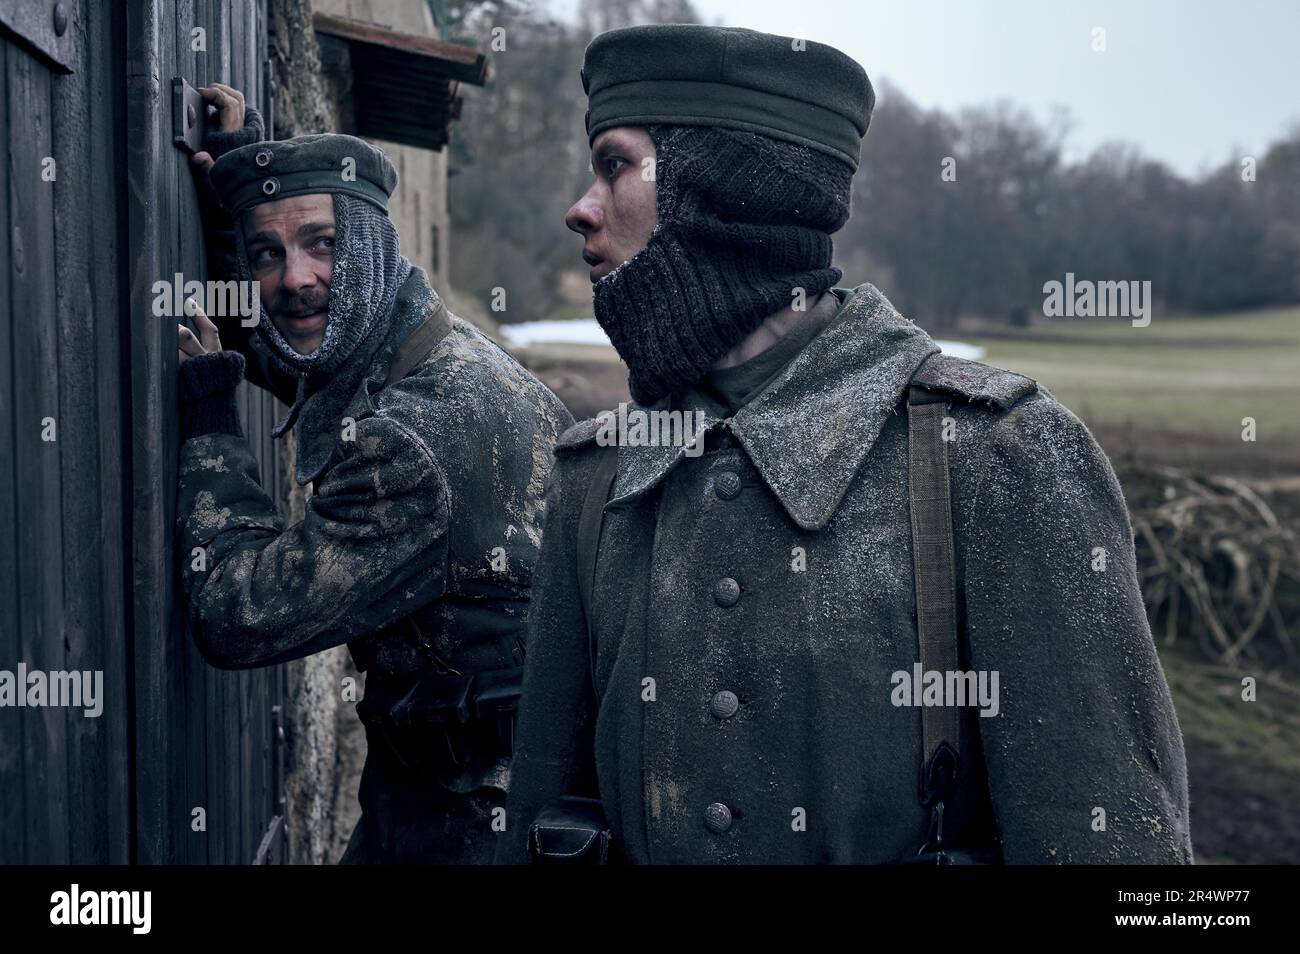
{"x": 267, "y": 255}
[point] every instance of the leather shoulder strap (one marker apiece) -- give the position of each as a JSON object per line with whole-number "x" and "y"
{"x": 932, "y": 554}
{"x": 588, "y": 546}
{"x": 418, "y": 344}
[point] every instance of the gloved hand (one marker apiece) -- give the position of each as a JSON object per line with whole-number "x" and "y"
{"x": 209, "y": 377}
{"x": 233, "y": 125}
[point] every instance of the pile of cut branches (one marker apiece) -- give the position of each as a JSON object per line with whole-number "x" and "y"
{"x": 1217, "y": 565}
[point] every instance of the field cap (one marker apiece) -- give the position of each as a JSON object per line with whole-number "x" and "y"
{"x": 685, "y": 74}
{"x": 328, "y": 162}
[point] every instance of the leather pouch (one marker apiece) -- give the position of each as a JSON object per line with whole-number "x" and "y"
{"x": 572, "y": 831}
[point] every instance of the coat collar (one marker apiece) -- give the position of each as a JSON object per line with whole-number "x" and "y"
{"x": 810, "y": 429}
{"x": 319, "y": 409}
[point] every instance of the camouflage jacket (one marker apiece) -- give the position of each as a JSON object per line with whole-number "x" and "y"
{"x": 752, "y": 605}
{"x": 427, "y": 504}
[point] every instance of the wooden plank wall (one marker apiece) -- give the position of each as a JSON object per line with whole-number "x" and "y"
{"x": 88, "y": 568}
{"x": 204, "y": 738}
{"x": 62, "y": 556}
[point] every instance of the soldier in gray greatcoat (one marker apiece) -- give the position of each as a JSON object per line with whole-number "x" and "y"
{"x": 726, "y": 655}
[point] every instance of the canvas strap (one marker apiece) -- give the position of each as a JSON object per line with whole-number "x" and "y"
{"x": 418, "y": 344}
{"x": 933, "y": 567}
{"x": 588, "y": 546}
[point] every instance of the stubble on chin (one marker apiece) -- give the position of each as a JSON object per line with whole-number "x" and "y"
{"x": 302, "y": 344}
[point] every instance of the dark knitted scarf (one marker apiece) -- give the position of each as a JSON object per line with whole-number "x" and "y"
{"x": 744, "y": 221}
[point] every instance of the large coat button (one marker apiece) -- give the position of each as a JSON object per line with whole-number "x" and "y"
{"x": 717, "y": 818}
{"x": 724, "y": 704}
{"x": 727, "y": 485}
{"x": 726, "y": 592}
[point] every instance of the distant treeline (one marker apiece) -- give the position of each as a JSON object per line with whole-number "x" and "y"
{"x": 954, "y": 216}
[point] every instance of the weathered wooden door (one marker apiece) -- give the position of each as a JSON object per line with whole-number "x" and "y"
{"x": 63, "y": 572}
{"x": 96, "y": 204}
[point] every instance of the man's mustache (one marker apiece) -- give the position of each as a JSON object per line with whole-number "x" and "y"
{"x": 300, "y": 306}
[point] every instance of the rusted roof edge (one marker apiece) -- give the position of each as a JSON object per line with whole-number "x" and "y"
{"x": 472, "y": 64}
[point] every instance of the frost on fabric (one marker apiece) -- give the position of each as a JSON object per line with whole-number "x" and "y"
{"x": 1085, "y": 718}
{"x": 208, "y": 517}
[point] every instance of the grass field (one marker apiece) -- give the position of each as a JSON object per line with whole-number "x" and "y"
{"x": 1190, "y": 378}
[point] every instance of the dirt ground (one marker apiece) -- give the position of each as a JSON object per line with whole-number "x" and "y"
{"x": 1126, "y": 446}
{"x": 1243, "y": 761}
{"x": 586, "y": 378}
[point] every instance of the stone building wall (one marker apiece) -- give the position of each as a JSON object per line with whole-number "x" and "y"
{"x": 419, "y": 208}
{"x": 325, "y": 740}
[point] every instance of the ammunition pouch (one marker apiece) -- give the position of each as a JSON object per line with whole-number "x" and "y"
{"x": 572, "y": 831}
{"x": 443, "y": 720}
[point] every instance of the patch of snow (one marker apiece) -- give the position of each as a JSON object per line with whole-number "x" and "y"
{"x": 587, "y": 331}
{"x": 583, "y": 331}
{"x": 960, "y": 349}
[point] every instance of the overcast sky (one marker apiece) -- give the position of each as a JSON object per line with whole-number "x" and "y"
{"x": 1191, "y": 82}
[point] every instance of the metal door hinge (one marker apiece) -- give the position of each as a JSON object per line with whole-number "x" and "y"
{"x": 189, "y": 113}
{"x": 44, "y": 27}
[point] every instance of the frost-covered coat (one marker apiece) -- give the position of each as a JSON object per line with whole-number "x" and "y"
{"x": 751, "y": 605}
{"x": 427, "y": 503}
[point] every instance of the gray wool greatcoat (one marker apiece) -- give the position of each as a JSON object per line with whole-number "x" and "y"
{"x": 817, "y": 763}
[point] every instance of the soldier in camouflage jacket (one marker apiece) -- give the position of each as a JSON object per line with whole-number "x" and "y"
{"x": 427, "y": 448}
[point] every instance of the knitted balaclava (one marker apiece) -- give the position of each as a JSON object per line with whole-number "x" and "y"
{"x": 368, "y": 270}
{"x": 744, "y": 221}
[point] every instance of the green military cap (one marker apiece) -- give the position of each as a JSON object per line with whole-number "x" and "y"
{"x": 685, "y": 74}
{"x": 329, "y": 162}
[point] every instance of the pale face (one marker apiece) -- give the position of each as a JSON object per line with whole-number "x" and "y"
{"x": 617, "y": 215}
{"x": 290, "y": 244}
